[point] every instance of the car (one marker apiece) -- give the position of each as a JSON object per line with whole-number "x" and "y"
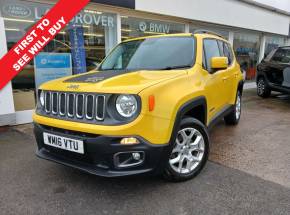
{"x": 147, "y": 110}
{"x": 273, "y": 73}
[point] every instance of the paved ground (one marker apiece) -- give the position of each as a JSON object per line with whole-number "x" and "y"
{"x": 259, "y": 146}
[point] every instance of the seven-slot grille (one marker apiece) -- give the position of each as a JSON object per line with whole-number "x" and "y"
{"x": 75, "y": 105}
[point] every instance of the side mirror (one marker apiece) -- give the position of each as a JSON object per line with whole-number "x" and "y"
{"x": 219, "y": 63}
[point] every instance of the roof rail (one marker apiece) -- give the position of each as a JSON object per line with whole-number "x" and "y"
{"x": 204, "y": 31}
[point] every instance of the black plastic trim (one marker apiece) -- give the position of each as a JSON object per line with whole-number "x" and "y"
{"x": 98, "y": 158}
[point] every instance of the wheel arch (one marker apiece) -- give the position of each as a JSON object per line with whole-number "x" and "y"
{"x": 241, "y": 86}
{"x": 196, "y": 108}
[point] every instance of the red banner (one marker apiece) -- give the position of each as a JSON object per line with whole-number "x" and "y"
{"x": 37, "y": 38}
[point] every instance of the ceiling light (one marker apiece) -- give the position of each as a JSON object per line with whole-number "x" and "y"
{"x": 19, "y": 20}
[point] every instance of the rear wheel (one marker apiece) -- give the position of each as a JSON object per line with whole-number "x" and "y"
{"x": 190, "y": 151}
{"x": 233, "y": 118}
{"x": 262, "y": 89}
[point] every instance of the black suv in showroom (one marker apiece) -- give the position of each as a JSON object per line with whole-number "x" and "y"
{"x": 274, "y": 73}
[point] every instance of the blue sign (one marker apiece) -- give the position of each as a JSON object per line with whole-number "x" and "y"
{"x": 76, "y": 34}
{"x": 50, "y": 66}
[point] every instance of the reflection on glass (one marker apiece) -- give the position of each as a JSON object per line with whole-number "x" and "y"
{"x": 246, "y": 47}
{"x": 152, "y": 54}
{"x": 273, "y": 42}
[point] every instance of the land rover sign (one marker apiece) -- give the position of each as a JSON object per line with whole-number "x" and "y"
{"x": 16, "y": 10}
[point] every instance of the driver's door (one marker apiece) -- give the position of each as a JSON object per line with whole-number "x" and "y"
{"x": 216, "y": 81}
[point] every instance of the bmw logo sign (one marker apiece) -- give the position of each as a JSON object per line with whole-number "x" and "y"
{"x": 142, "y": 26}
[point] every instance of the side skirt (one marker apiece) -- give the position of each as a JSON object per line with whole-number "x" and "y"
{"x": 220, "y": 115}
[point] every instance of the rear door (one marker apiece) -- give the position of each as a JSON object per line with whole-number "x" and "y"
{"x": 215, "y": 83}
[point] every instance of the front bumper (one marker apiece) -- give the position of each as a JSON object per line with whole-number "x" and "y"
{"x": 100, "y": 153}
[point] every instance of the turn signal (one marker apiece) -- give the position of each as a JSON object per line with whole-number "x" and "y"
{"x": 151, "y": 103}
{"x": 129, "y": 141}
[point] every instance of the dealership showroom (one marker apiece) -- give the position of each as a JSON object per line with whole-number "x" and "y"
{"x": 248, "y": 172}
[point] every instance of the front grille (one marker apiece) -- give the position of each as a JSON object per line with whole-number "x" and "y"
{"x": 75, "y": 106}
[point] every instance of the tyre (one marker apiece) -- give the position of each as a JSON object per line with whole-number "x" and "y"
{"x": 262, "y": 89}
{"x": 233, "y": 117}
{"x": 190, "y": 151}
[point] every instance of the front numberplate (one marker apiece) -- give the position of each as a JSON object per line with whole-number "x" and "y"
{"x": 65, "y": 143}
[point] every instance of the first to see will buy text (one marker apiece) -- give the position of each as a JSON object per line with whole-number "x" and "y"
{"x": 36, "y": 43}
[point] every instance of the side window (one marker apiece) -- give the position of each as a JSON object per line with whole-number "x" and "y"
{"x": 211, "y": 50}
{"x": 228, "y": 53}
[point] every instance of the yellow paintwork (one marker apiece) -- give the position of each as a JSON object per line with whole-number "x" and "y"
{"x": 219, "y": 62}
{"x": 171, "y": 89}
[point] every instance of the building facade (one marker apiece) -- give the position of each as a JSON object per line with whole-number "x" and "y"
{"x": 253, "y": 30}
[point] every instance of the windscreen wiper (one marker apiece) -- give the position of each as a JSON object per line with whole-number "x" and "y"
{"x": 176, "y": 67}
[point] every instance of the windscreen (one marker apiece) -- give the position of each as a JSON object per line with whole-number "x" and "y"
{"x": 162, "y": 53}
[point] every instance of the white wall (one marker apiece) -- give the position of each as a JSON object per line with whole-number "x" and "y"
{"x": 7, "y": 115}
{"x": 279, "y": 4}
{"x": 225, "y": 12}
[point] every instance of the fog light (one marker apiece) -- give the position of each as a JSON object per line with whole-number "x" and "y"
{"x": 136, "y": 156}
{"x": 129, "y": 141}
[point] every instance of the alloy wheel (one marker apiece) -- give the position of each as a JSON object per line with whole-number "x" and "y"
{"x": 261, "y": 87}
{"x": 188, "y": 151}
{"x": 238, "y": 107}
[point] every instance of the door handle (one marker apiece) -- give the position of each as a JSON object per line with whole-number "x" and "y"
{"x": 225, "y": 79}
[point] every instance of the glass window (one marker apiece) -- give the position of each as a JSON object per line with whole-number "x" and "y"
{"x": 247, "y": 48}
{"x": 152, "y": 54}
{"x": 281, "y": 56}
{"x": 273, "y": 42}
{"x": 87, "y": 40}
{"x": 136, "y": 27}
{"x": 228, "y": 52}
{"x": 211, "y": 49}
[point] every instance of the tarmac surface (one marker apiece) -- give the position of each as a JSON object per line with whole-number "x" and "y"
{"x": 248, "y": 173}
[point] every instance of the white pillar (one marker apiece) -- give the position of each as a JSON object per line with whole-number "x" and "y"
{"x": 7, "y": 111}
{"x": 262, "y": 48}
{"x": 231, "y": 37}
{"x": 119, "y": 26}
{"x": 187, "y": 28}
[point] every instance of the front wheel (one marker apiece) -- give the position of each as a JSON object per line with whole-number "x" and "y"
{"x": 190, "y": 151}
{"x": 234, "y": 116}
{"x": 262, "y": 88}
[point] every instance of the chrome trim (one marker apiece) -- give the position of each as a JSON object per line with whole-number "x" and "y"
{"x": 59, "y": 103}
{"x": 97, "y": 106}
{"x": 83, "y": 112}
{"x": 67, "y": 105}
{"x": 55, "y": 113}
{"x": 86, "y": 107}
{"x": 45, "y": 103}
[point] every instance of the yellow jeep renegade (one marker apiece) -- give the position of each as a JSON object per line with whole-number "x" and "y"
{"x": 146, "y": 110}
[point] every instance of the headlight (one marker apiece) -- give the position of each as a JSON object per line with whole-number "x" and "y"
{"x": 126, "y": 105}
{"x": 41, "y": 98}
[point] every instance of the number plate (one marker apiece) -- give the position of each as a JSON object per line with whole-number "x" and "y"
{"x": 65, "y": 143}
